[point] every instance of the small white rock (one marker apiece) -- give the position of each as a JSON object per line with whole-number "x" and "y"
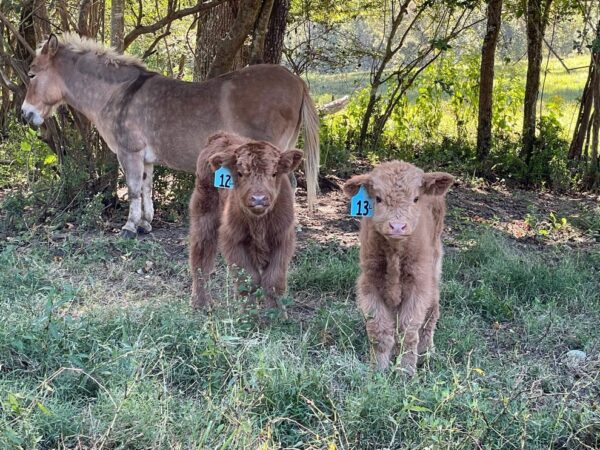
{"x": 575, "y": 358}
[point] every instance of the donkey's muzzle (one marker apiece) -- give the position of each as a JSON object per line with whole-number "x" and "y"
{"x": 31, "y": 115}
{"x": 27, "y": 115}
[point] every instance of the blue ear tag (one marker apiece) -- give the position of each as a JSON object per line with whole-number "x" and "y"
{"x": 223, "y": 178}
{"x": 361, "y": 204}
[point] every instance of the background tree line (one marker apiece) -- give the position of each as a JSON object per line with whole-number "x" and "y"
{"x": 438, "y": 82}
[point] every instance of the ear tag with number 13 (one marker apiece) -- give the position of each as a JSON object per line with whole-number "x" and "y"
{"x": 223, "y": 178}
{"x": 362, "y": 204}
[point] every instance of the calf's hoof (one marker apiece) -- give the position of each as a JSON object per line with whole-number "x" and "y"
{"x": 198, "y": 302}
{"x": 128, "y": 234}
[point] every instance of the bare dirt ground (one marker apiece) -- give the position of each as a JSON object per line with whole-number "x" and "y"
{"x": 530, "y": 218}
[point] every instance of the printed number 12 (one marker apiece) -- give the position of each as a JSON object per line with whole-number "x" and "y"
{"x": 225, "y": 181}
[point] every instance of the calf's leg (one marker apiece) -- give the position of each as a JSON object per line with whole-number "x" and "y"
{"x": 274, "y": 278}
{"x": 380, "y": 323}
{"x": 410, "y": 321}
{"x": 204, "y": 225}
{"x": 426, "y": 333}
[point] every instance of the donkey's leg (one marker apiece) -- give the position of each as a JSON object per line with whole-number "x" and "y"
{"x": 133, "y": 166}
{"x": 148, "y": 207}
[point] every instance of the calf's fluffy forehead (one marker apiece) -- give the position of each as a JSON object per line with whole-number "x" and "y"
{"x": 257, "y": 156}
{"x": 396, "y": 176}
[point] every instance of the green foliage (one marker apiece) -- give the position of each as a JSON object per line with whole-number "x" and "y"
{"x": 548, "y": 165}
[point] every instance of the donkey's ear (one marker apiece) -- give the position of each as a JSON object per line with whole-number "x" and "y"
{"x": 51, "y": 46}
{"x": 436, "y": 183}
{"x": 352, "y": 186}
{"x": 289, "y": 160}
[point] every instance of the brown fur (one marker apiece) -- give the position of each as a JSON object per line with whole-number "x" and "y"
{"x": 146, "y": 118}
{"x": 258, "y": 239}
{"x": 401, "y": 259}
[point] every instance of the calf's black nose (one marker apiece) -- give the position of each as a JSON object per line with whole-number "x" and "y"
{"x": 259, "y": 200}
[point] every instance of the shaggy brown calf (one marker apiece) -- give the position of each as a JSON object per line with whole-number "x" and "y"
{"x": 253, "y": 223}
{"x": 401, "y": 259}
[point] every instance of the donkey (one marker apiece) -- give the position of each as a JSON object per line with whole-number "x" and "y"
{"x": 146, "y": 118}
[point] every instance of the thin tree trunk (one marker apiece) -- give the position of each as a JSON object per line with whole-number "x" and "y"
{"x": 117, "y": 25}
{"x": 585, "y": 109}
{"x": 486, "y": 80}
{"x": 537, "y": 18}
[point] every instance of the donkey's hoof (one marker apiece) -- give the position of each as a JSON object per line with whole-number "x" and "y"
{"x": 142, "y": 230}
{"x": 128, "y": 234}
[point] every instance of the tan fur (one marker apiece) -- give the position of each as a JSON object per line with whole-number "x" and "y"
{"x": 147, "y": 119}
{"x": 398, "y": 288}
{"x": 259, "y": 241}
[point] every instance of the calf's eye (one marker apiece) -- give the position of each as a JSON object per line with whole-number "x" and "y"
{"x": 240, "y": 174}
{"x": 416, "y": 199}
{"x": 31, "y": 75}
{"x": 274, "y": 175}
{"x": 378, "y": 199}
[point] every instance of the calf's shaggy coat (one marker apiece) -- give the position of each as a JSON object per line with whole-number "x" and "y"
{"x": 253, "y": 223}
{"x": 401, "y": 259}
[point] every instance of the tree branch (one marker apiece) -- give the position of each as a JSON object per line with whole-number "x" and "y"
{"x": 16, "y": 33}
{"x": 170, "y": 17}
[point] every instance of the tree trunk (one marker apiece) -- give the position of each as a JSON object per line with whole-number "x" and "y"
{"x": 228, "y": 47}
{"x": 213, "y": 26}
{"x": 537, "y": 19}
{"x": 486, "y": 79}
{"x": 117, "y": 25}
{"x": 273, "y": 47}
{"x": 259, "y": 35}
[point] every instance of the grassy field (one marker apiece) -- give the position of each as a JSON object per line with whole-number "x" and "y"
{"x": 99, "y": 349}
{"x": 560, "y": 86}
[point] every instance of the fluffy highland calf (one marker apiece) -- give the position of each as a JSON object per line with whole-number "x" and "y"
{"x": 253, "y": 223}
{"x": 401, "y": 259}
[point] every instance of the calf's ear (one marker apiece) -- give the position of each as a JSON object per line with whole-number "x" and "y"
{"x": 221, "y": 147}
{"x": 289, "y": 160}
{"x": 436, "y": 183}
{"x": 51, "y": 46}
{"x": 225, "y": 158}
{"x": 352, "y": 186}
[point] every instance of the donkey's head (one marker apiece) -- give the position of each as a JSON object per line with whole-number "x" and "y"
{"x": 396, "y": 187}
{"x": 46, "y": 89}
{"x": 258, "y": 168}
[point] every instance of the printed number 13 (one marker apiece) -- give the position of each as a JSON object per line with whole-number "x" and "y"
{"x": 363, "y": 207}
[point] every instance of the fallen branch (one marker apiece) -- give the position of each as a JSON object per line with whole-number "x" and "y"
{"x": 334, "y": 106}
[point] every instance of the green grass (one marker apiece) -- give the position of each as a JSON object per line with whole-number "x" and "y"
{"x": 97, "y": 352}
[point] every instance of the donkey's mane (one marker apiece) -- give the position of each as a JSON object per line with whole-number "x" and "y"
{"x": 79, "y": 44}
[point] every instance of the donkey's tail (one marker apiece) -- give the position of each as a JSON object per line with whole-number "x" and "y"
{"x": 310, "y": 118}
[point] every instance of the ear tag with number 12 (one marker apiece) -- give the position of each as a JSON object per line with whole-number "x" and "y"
{"x": 223, "y": 178}
{"x": 362, "y": 204}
